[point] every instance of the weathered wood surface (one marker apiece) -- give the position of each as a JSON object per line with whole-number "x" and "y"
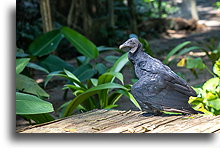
{"x": 104, "y": 121}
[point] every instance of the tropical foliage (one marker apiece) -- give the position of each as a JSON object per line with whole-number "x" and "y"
{"x": 208, "y": 99}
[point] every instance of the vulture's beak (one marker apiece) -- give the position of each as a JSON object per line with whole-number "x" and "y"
{"x": 124, "y": 46}
{"x": 121, "y": 46}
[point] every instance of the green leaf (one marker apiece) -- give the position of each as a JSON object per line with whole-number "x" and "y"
{"x": 120, "y": 63}
{"x": 37, "y": 67}
{"x": 54, "y": 63}
{"x": 216, "y": 68}
{"x": 109, "y": 77}
{"x": 111, "y": 106}
{"x": 29, "y": 104}
{"x": 81, "y": 43}
{"x": 26, "y": 84}
{"x": 214, "y": 104}
{"x": 196, "y": 63}
{"x": 111, "y": 59}
{"x": 45, "y": 43}
{"x": 211, "y": 84}
{"x": 101, "y": 68}
{"x": 40, "y": 118}
{"x": 84, "y": 72}
{"x": 186, "y": 50}
{"x": 106, "y": 78}
{"x": 50, "y": 76}
{"x": 73, "y": 87}
{"x": 174, "y": 51}
{"x": 70, "y": 77}
{"x": 21, "y": 64}
{"x": 82, "y": 97}
{"x": 104, "y": 48}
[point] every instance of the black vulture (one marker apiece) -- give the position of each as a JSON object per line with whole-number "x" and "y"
{"x": 158, "y": 88}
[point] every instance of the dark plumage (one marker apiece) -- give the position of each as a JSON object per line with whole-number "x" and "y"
{"x": 158, "y": 87}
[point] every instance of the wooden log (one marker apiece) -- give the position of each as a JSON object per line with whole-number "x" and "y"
{"x": 114, "y": 121}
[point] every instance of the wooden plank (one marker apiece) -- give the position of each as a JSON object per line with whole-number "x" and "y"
{"x": 173, "y": 127}
{"x": 207, "y": 124}
{"x": 105, "y": 121}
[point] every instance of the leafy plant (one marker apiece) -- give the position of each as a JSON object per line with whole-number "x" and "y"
{"x": 217, "y": 5}
{"x": 29, "y": 94}
{"x": 208, "y": 99}
{"x": 190, "y": 62}
{"x": 40, "y": 49}
{"x": 102, "y": 93}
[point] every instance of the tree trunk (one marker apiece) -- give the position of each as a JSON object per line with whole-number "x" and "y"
{"x": 46, "y": 15}
{"x": 188, "y": 9}
{"x": 87, "y": 20}
{"x": 159, "y": 8}
{"x": 111, "y": 13}
{"x": 194, "y": 11}
{"x": 133, "y": 21}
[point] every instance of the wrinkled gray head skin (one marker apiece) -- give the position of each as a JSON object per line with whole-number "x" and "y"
{"x": 132, "y": 44}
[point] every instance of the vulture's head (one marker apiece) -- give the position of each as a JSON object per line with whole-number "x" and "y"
{"x": 131, "y": 44}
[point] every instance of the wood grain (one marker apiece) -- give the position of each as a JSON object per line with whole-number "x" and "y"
{"x": 114, "y": 121}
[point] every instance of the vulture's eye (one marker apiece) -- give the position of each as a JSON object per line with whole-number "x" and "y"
{"x": 142, "y": 64}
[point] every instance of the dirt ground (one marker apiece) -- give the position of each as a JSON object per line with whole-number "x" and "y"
{"x": 208, "y": 15}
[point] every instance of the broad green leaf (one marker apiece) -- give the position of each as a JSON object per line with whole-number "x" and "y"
{"x": 82, "y": 97}
{"x": 45, "y": 43}
{"x": 40, "y": 118}
{"x": 28, "y": 85}
{"x": 37, "y": 67}
{"x": 174, "y": 51}
{"x": 210, "y": 96}
{"x": 21, "y": 64}
{"x": 104, "y": 48}
{"x": 196, "y": 63}
{"x": 28, "y": 104}
{"x": 87, "y": 74}
{"x": 101, "y": 68}
{"x": 81, "y": 43}
{"x": 84, "y": 72}
{"x": 54, "y": 63}
{"x": 111, "y": 59}
{"x": 120, "y": 63}
{"x": 211, "y": 84}
{"x": 82, "y": 60}
{"x": 216, "y": 68}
